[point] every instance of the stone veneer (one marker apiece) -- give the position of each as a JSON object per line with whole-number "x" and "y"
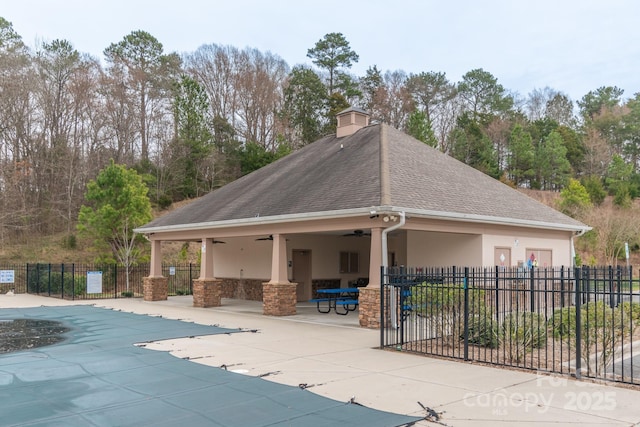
{"x": 246, "y": 289}
{"x": 207, "y": 293}
{"x": 279, "y": 299}
{"x": 155, "y": 288}
{"x": 369, "y": 307}
{"x": 323, "y": 284}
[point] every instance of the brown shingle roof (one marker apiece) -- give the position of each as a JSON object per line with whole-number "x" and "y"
{"x": 378, "y": 165}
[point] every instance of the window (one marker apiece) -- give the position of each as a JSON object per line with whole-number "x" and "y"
{"x": 349, "y": 262}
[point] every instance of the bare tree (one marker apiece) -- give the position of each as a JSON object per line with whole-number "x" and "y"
{"x": 17, "y": 188}
{"x": 260, "y": 96}
{"x": 613, "y": 227}
{"x": 597, "y": 154}
{"x": 537, "y": 101}
{"x": 392, "y": 101}
{"x": 144, "y": 69}
{"x": 499, "y": 131}
{"x": 216, "y": 69}
{"x": 244, "y": 87}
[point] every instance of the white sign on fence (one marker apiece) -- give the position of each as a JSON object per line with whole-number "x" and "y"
{"x": 94, "y": 282}
{"x": 7, "y": 276}
{"x": 172, "y": 271}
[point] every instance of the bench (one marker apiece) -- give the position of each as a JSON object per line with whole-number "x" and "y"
{"x": 347, "y": 298}
{"x": 348, "y": 304}
{"x": 320, "y": 300}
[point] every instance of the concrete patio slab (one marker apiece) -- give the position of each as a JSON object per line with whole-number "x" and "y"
{"x": 339, "y": 360}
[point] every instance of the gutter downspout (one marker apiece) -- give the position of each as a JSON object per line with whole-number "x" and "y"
{"x": 385, "y": 255}
{"x": 573, "y": 257}
{"x": 573, "y": 248}
{"x": 385, "y": 265}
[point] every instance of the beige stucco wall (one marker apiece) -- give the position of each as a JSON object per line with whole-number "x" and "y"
{"x": 242, "y": 257}
{"x": 251, "y": 259}
{"x": 397, "y": 243}
{"x": 435, "y": 249}
{"x": 559, "y": 243}
{"x": 471, "y": 245}
{"x": 421, "y": 242}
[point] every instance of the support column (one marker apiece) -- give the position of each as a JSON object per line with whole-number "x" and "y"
{"x": 206, "y": 261}
{"x": 207, "y": 293}
{"x": 369, "y": 296}
{"x": 279, "y": 299}
{"x": 207, "y": 290}
{"x": 156, "y": 259}
{"x": 279, "y": 295}
{"x": 155, "y": 286}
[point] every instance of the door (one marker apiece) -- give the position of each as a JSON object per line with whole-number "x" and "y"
{"x": 502, "y": 256}
{"x": 301, "y": 260}
{"x": 539, "y": 257}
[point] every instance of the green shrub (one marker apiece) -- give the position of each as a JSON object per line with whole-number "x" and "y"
{"x": 631, "y": 313}
{"x": 443, "y": 305}
{"x": 164, "y": 201}
{"x": 521, "y": 333}
{"x": 70, "y": 242}
{"x": 43, "y": 281}
{"x": 127, "y": 294}
{"x": 602, "y": 330}
{"x": 484, "y": 331}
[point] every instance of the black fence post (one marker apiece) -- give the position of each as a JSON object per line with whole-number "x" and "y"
{"x": 73, "y": 281}
{"x": 562, "y": 287}
{"x": 578, "y": 322}
{"x": 62, "y": 280}
{"x": 611, "y": 287}
{"x": 454, "y": 275}
{"x": 466, "y": 313}
{"x": 618, "y": 285}
{"x": 49, "y": 278}
{"x": 532, "y": 285}
{"x": 382, "y": 315}
{"x": 115, "y": 279}
{"x": 497, "y": 304}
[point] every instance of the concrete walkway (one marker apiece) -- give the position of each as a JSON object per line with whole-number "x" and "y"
{"x": 331, "y": 356}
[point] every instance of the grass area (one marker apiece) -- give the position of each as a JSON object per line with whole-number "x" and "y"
{"x": 46, "y": 249}
{"x": 53, "y": 249}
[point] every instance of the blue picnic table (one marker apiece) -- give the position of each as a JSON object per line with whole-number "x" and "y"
{"x": 332, "y": 298}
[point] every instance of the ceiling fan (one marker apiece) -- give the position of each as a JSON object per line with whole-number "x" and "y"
{"x": 357, "y": 233}
{"x": 270, "y": 237}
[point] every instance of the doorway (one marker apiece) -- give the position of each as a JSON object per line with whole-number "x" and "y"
{"x": 543, "y": 257}
{"x": 502, "y": 256}
{"x": 301, "y": 263}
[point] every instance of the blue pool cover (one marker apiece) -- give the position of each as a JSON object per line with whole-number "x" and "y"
{"x": 98, "y": 377}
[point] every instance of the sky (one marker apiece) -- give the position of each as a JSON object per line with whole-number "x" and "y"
{"x": 572, "y": 46}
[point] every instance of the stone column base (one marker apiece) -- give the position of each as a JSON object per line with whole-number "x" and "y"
{"x": 155, "y": 288}
{"x": 369, "y": 307}
{"x": 207, "y": 293}
{"x": 279, "y": 299}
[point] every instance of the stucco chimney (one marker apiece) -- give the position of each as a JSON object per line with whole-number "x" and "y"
{"x": 350, "y": 121}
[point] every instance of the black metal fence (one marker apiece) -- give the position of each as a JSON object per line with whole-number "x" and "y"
{"x": 91, "y": 281}
{"x": 583, "y": 321}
